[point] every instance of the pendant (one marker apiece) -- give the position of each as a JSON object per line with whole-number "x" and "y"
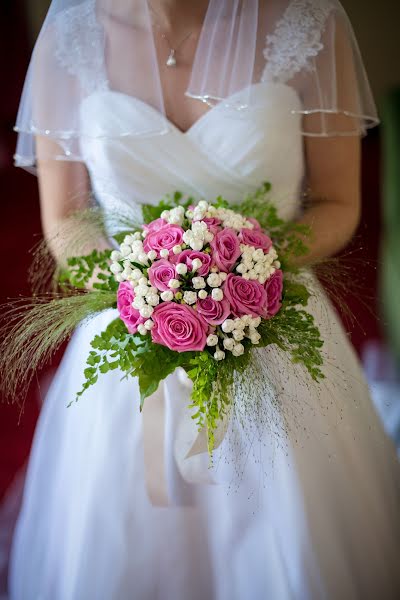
{"x": 171, "y": 60}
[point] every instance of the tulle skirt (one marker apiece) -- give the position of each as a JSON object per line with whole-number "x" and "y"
{"x": 306, "y": 509}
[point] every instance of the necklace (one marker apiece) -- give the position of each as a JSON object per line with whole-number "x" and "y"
{"x": 171, "y": 60}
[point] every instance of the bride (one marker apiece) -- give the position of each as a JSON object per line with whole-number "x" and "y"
{"x": 125, "y": 101}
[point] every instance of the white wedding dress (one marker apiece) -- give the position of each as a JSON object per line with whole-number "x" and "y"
{"x": 312, "y": 513}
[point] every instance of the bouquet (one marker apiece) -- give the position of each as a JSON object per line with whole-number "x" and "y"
{"x": 198, "y": 286}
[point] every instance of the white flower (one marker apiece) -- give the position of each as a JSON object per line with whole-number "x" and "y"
{"x": 214, "y": 280}
{"x": 202, "y": 294}
{"x": 137, "y": 245}
{"x": 125, "y": 249}
{"x": 212, "y": 340}
{"x": 116, "y": 268}
{"x": 139, "y": 302}
{"x": 203, "y": 205}
{"x": 229, "y": 343}
{"x": 129, "y": 239}
{"x": 241, "y": 268}
{"x": 208, "y": 237}
{"x": 177, "y": 249}
{"x": 223, "y": 276}
{"x": 146, "y": 312}
{"x": 164, "y": 253}
{"x": 198, "y": 214}
{"x": 181, "y": 269}
{"x": 246, "y": 319}
{"x": 217, "y": 294}
{"x": 238, "y": 350}
{"x": 199, "y": 228}
{"x": 143, "y": 280}
{"x": 142, "y": 329}
{"x": 152, "y": 255}
{"x": 149, "y": 324}
{"x": 137, "y": 236}
{"x": 137, "y": 275}
{"x": 239, "y": 323}
{"x": 258, "y": 255}
{"x": 119, "y": 278}
{"x": 255, "y": 322}
{"x": 248, "y": 263}
{"x": 189, "y": 214}
{"x": 252, "y": 274}
{"x": 167, "y": 296}
{"x": 176, "y": 215}
{"x": 115, "y": 255}
{"x": 255, "y": 337}
{"x": 277, "y": 264}
{"x": 196, "y": 244}
{"x": 190, "y": 297}
{"x": 219, "y": 355}
{"x": 196, "y": 264}
{"x": 174, "y": 284}
{"x": 127, "y": 272}
{"x": 165, "y": 215}
{"x": 238, "y": 335}
{"x": 153, "y": 299}
{"x": 198, "y": 283}
{"x": 188, "y": 236}
{"x": 141, "y": 290}
{"x": 142, "y": 258}
{"x": 228, "y": 326}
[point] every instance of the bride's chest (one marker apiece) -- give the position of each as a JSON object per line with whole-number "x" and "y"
{"x": 244, "y": 146}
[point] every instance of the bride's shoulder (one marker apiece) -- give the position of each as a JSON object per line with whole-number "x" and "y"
{"x": 296, "y": 37}
{"x": 74, "y": 40}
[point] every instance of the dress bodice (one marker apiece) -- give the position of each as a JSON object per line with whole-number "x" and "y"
{"x": 226, "y": 152}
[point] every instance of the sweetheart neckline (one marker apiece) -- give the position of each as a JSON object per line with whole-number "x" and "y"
{"x": 170, "y": 125}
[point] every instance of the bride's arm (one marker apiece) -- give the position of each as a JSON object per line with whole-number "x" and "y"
{"x": 64, "y": 190}
{"x": 334, "y": 204}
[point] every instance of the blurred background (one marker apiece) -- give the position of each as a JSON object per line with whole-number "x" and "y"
{"x": 376, "y": 336}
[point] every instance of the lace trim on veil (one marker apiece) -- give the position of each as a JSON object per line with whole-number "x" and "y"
{"x": 80, "y": 43}
{"x": 296, "y": 39}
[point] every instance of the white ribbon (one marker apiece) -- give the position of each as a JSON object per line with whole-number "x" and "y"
{"x": 189, "y": 445}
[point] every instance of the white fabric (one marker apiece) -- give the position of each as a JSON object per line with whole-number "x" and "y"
{"x": 310, "y": 516}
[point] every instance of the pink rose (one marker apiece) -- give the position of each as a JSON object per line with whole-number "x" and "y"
{"x": 274, "y": 288}
{"x": 246, "y": 297}
{"x": 212, "y": 311}
{"x": 256, "y": 238}
{"x": 187, "y": 257}
{"x": 257, "y": 226}
{"x": 155, "y": 225}
{"x": 160, "y": 273}
{"x": 178, "y": 327}
{"x": 213, "y": 224}
{"x": 166, "y": 237}
{"x": 225, "y": 249}
{"x": 129, "y": 315}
